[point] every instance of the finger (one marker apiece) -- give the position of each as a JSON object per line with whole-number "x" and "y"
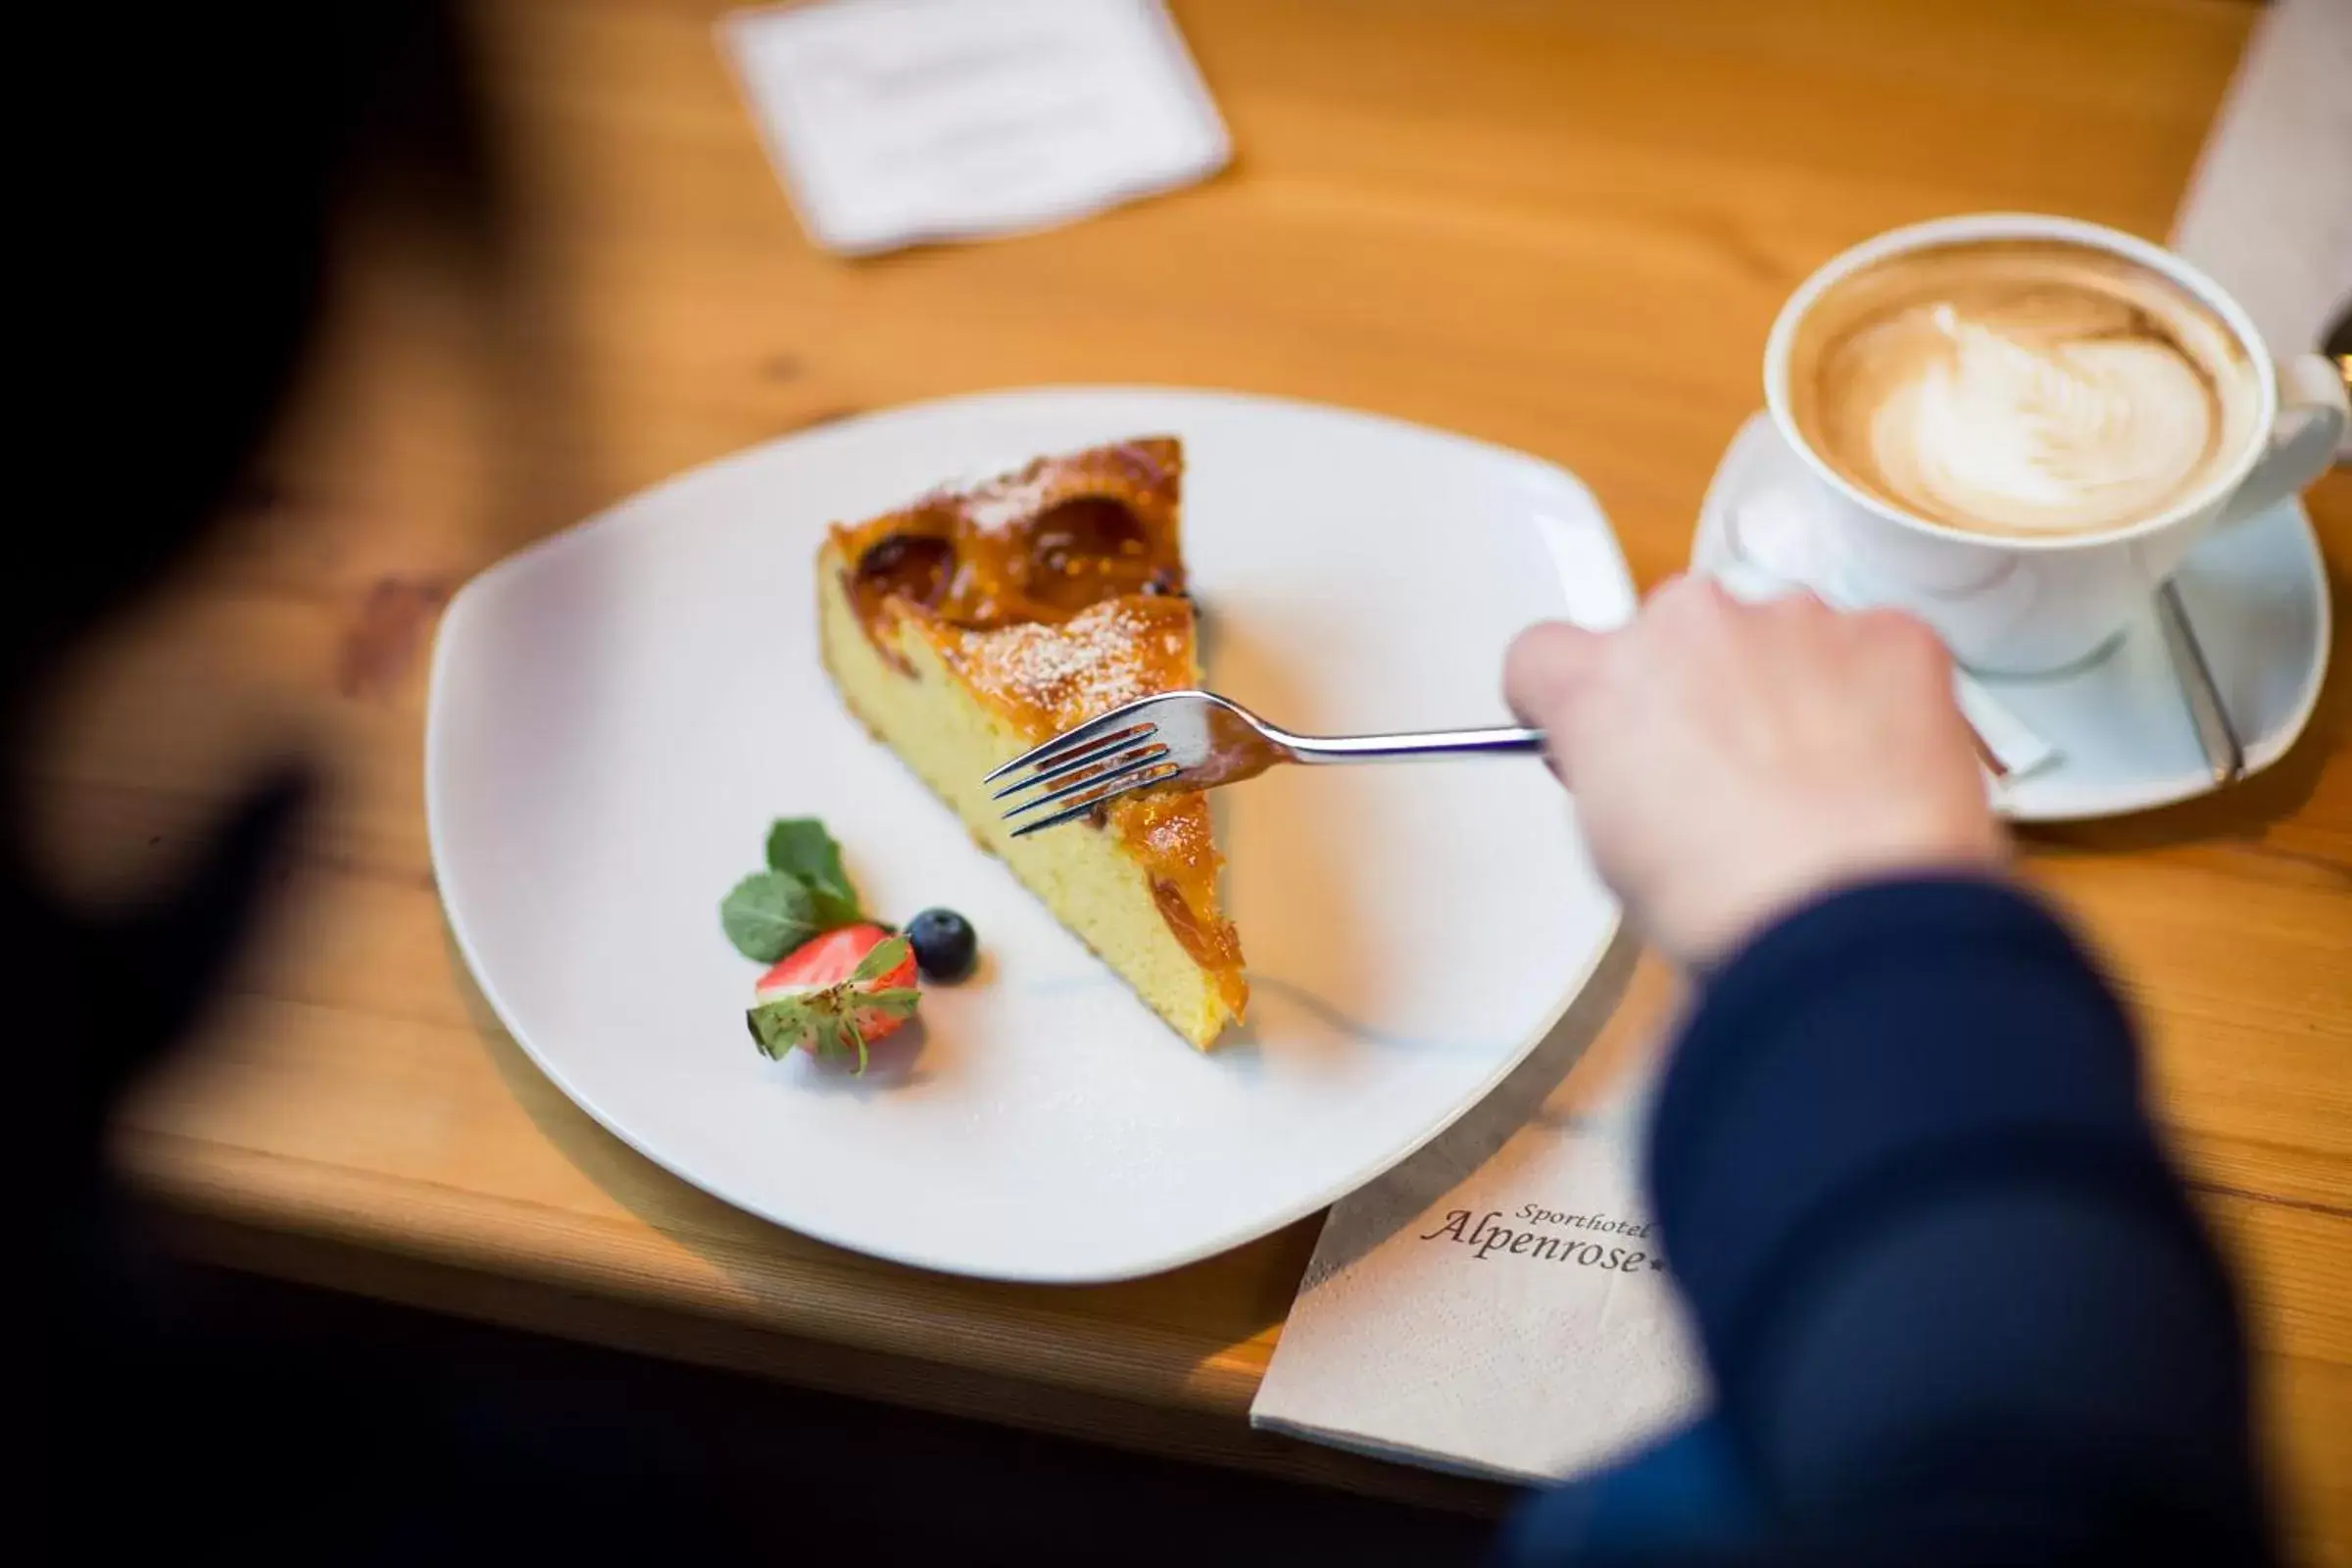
{"x": 1899, "y": 653}
{"x": 1546, "y": 665}
{"x": 1682, "y": 604}
{"x": 1670, "y": 584}
{"x": 1906, "y": 635}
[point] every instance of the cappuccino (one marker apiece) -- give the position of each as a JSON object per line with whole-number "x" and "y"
{"x": 2022, "y": 388}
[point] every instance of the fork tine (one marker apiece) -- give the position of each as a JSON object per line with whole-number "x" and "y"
{"x": 1156, "y": 755}
{"x": 1084, "y": 737}
{"x": 1095, "y": 730}
{"x": 1157, "y": 775}
{"x": 1118, "y": 747}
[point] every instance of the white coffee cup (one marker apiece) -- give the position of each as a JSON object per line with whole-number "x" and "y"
{"x": 2008, "y": 604}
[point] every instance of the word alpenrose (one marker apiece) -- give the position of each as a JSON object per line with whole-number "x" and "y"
{"x": 1488, "y": 1237}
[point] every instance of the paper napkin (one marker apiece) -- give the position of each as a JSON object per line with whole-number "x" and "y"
{"x": 894, "y": 121}
{"x": 1498, "y": 1304}
{"x": 2269, "y": 212}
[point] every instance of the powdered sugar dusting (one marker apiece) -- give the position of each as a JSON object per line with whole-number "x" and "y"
{"x": 1006, "y": 502}
{"x": 993, "y": 501}
{"x": 1057, "y": 675}
{"x": 1174, "y": 829}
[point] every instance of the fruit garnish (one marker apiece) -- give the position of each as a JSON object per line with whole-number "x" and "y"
{"x": 800, "y": 846}
{"x": 767, "y": 914}
{"x": 803, "y": 892}
{"x": 944, "y": 944}
{"x": 836, "y": 995}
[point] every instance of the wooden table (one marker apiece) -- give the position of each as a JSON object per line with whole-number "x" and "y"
{"x": 1560, "y": 226}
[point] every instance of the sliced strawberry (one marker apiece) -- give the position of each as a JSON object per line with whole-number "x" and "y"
{"x": 836, "y": 995}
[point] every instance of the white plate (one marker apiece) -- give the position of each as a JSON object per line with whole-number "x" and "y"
{"x": 619, "y": 711}
{"x": 2257, "y": 595}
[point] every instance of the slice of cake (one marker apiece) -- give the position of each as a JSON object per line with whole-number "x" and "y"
{"x": 975, "y": 624}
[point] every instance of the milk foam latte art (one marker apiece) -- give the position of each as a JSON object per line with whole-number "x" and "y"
{"x": 2031, "y": 388}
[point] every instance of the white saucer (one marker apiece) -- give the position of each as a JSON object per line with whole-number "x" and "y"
{"x": 2257, "y": 595}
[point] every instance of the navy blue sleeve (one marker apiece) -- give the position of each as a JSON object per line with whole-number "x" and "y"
{"x": 1953, "y": 1296}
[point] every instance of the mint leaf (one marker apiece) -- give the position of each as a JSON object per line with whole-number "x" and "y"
{"x": 834, "y": 908}
{"x": 768, "y": 916}
{"x": 800, "y": 846}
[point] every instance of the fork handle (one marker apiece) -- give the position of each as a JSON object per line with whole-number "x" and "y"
{"x": 1506, "y": 742}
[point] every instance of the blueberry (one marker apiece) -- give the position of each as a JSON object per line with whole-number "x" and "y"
{"x": 944, "y": 944}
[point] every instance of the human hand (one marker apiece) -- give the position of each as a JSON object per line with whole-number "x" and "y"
{"x": 1730, "y": 761}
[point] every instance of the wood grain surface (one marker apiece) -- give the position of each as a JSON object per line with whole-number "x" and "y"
{"x": 1563, "y": 227}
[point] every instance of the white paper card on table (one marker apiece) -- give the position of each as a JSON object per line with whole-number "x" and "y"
{"x": 897, "y": 122}
{"x": 1497, "y": 1305}
{"x": 2269, "y": 210}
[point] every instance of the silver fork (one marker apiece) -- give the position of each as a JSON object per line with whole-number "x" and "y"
{"x": 1200, "y": 741}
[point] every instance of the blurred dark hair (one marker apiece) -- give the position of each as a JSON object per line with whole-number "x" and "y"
{"x": 194, "y": 192}
{"x": 202, "y": 157}
{"x": 184, "y": 191}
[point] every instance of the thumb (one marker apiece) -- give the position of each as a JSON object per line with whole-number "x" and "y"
{"x": 1547, "y": 674}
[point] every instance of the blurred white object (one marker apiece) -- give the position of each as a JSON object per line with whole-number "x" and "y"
{"x": 896, "y": 122}
{"x": 2269, "y": 212}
